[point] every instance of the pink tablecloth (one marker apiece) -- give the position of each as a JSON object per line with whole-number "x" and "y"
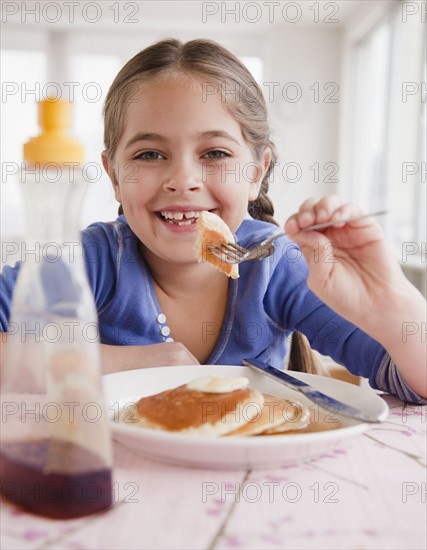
{"x": 370, "y": 494}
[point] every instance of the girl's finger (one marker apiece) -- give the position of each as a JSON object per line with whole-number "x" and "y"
{"x": 326, "y": 206}
{"x": 305, "y": 214}
{"x": 292, "y": 226}
{"x": 307, "y": 204}
{"x": 317, "y": 211}
{"x": 345, "y": 212}
{"x": 314, "y": 211}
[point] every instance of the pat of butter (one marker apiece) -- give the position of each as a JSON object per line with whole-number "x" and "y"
{"x": 218, "y": 384}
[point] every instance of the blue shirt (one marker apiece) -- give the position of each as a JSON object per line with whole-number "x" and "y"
{"x": 266, "y": 305}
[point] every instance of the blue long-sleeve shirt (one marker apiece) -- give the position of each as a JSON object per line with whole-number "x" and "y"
{"x": 266, "y": 305}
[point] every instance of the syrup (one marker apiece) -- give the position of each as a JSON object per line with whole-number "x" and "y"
{"x": 82, "y": 486}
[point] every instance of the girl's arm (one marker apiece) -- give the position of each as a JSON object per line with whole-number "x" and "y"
{"x": 121, "y": 358}
{"x": 355, "y": 273}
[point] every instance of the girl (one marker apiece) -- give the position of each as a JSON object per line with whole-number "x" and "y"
{"x": 186, "y": 131}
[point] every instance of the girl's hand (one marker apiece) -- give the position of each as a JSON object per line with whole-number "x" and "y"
{"x": 351, "y": 267}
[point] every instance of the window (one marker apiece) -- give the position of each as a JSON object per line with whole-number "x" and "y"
{"x": 387, "y": 136}
{"x": 372, "y": 60}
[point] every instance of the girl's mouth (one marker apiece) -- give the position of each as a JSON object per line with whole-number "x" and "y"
{"x": 179, "y": 218}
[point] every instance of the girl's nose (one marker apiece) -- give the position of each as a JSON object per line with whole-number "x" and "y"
{"x": 183, "y": 176}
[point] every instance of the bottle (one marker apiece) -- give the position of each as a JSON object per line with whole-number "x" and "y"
{"x": 55, "y": 454}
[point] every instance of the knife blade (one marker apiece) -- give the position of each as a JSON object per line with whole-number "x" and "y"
{"x": 321, "y": 399}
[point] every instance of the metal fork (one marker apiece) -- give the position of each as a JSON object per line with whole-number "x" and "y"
{"x": 231, "y": 253}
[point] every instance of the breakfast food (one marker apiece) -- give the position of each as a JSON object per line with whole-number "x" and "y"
{"x": 212, "y": 230}
{"x": 270, "y": 416}
{"x": 277, "y": 416}
{"x": 295, "y": 416}
{"x": 217, "y": 406}
{"x": 191, "y": 409}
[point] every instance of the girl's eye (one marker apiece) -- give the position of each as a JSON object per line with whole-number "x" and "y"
{"x": 217, "y": 154}
{"x": 149, "y": 155}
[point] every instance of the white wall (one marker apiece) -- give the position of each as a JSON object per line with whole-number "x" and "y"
{"x": 306, "y": 131}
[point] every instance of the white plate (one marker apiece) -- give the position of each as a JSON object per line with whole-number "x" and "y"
{"x": 233, "y": 452}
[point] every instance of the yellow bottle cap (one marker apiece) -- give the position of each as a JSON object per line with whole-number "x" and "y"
{"x": 54, "y": 144}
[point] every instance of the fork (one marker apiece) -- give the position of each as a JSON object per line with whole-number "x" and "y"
{"x": 231, "y": 253}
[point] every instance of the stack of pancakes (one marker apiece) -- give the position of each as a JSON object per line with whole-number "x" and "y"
{"x": 218, "y": 406}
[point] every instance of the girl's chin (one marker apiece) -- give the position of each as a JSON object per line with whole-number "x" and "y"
{"x": 178, "y": 253}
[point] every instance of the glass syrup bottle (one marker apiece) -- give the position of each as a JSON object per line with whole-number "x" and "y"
{"x": 55, "y": 454}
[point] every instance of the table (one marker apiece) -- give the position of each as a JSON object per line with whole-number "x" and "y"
{"x": 368, "y": 494}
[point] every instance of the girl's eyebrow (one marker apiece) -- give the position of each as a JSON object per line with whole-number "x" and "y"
{"x": 217, "y": 133}
{"x": 157, "y": 137}
{"x": 144, "y": 137}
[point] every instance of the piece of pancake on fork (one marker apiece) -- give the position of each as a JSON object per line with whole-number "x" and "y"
{"x": 212, "y": 230}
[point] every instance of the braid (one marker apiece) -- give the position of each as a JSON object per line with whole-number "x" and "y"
{"x": 301, "y": 357}
{"x": 262, "y": 208}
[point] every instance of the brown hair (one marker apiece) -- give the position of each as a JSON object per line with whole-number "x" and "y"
{"x": 229, "y": 76}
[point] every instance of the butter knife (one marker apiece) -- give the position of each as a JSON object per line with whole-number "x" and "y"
{"x": 321, "y": 399}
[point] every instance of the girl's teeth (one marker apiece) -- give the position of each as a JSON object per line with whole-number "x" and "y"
{"x": 178, "y": 216}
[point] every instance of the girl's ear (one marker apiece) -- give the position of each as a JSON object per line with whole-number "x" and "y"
{"x": 260, "y": 171}
{"x": 112, "y": 175}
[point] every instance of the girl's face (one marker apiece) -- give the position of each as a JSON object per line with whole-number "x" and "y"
{"x": 181, "y": 152}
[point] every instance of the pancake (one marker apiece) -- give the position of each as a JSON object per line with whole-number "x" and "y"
{"x": 271, "y": 416}
{"x": 277, "y": 416}
{"x": 211, "y": 230}
{"x": 189, "y": 411}
{"x": 295, "y": 417}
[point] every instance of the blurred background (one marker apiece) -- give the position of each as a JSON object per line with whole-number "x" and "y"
{"x": 345, "y": 83}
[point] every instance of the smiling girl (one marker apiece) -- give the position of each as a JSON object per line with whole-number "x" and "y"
{"x": 186, "y": 131}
